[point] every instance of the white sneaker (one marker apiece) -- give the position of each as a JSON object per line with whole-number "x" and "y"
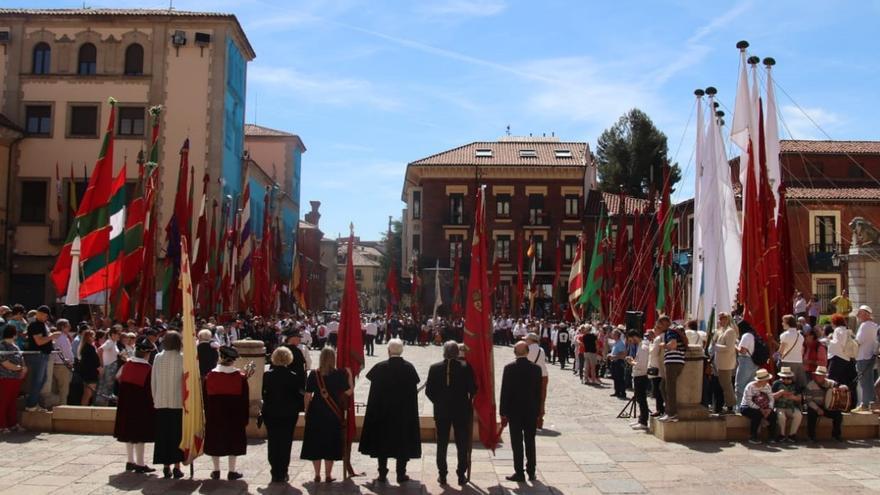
{"x": 639, "y": 426}
{"x": 34, "y": 409}
{"x": 634, "y": 423}
{"x": 663, "y": 418}
{"x": 672, "y": 419}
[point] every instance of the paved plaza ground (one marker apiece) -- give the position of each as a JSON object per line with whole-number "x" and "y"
{"x": 584, "y": 449}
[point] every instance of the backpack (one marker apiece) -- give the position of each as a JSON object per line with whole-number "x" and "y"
{"x": 762, "y": 353}
{"x": 851, "y": 348}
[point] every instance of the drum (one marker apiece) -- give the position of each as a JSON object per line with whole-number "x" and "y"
{"x": 837, "y": 398}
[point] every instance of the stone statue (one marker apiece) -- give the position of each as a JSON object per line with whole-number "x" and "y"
{"x": 864, "y": 232}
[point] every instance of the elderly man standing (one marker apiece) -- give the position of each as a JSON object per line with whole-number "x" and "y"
{"x": 867, "y": 338}
{"x": 451, "y": 388}
{"x": 391, "y": 423}
{"x": 520, "y": 394}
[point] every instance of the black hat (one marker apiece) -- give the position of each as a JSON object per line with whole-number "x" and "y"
{"x": 44, "y": 309}
{"x": 151, "y": 332}
{"x": 83, "y": 326}
{"x": 228, "y": 352}
{"x": 143, "y": 344}
{"x": 292, "y": 332}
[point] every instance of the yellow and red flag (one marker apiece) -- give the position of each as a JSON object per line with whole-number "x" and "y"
{"x": 192, "y": 441}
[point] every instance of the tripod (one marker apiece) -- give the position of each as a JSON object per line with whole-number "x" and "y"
{"x": 629, "y": 410}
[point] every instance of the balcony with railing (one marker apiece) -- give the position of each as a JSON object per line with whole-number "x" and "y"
{"x": 823, "y": 258}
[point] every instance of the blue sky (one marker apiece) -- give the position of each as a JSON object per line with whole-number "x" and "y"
{"x": 371, "y": 85}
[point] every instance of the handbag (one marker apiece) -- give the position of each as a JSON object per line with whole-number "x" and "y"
{"x": 653, "y": 371}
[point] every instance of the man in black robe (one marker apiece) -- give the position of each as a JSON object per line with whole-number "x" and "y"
{"x": 451, "y": 388}
{"x": 520, "y": 402}
{"x": 391, "y": 423}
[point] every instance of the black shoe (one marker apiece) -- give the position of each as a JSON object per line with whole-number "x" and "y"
{"x": 166, "y": 472}
{"x": 382, "y": 479}
{"x": 144, "y": 469}
{"x": 462, "y": 480}
{"x": 177, "y": 473}
{"x": 232, "y": 476}
{"x": 215, "y": 475}
{"x": 441, "y": 479}
{"x": 613, "y": 395}
{"x": 532, "y": 477}
{"x": 130, "y": 466}
{"x": 518, "y": 477}
{"x": 838, "y": 438}
{"x": 402, "y": 478}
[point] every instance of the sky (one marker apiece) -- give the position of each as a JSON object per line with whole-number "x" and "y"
{"x": 371, "y": 85}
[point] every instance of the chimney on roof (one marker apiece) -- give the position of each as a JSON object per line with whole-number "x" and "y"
{"x": 313, "y": 217}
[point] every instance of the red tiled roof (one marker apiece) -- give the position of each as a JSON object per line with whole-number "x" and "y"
{"x": 631, "y": 205}
{"x": 833, "y": 193}
{"x": 260, "y": 131}
{"x": 823, "y": 147}
{"x": 507, "y": 152}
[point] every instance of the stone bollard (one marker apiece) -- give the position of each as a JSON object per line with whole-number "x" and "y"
{"x": 252, "y": 351}
{"x": 690, "y": 386}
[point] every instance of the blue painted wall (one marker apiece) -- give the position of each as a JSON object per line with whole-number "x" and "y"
{"x": 233, "y": 120}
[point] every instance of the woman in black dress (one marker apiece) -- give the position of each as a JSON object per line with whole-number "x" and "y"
{"x": 326, "y": 389}
{"x": 89, "y": 366}
{"x": 282, "y": 403}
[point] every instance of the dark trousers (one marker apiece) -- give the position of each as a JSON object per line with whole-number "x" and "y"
{"x": 640, "y": 389}
{"x": 280, "y": 437}
{"x": 657, "y": 391}
{"x": 523, "y": 431}
{"x": 462, "y": 428}
{"x": 813, "y": 418}
{"x": 383, "y": 466}
{"x": 755, "y": 418}
{"x": 617, "y": 374}
{"x": 562, "y": 352}
{"x": 369, "y": 341}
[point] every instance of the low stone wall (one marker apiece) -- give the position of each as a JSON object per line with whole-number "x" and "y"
{"x": 856, "y": 426}
{"x": 100, "y": 421}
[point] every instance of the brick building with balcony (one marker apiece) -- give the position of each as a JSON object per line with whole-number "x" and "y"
{"x": 535, "y": 190}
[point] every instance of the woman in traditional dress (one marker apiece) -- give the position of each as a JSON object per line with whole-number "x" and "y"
{"x": 167, "y": 383}
{"x": 226, "y": 413}
{"x": 135, "y": 416}
{"x": 327, "y": 390}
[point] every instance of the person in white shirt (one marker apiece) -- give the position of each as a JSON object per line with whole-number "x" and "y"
{"x": 332, "y": 333}
{"x": 370, "y": 332}
{"x": 791, "y": 350}
{"x": 867, "y": 338}
{"x": 841, "y": 365}
{"x": 537, "y": 356}
{"x": 107, "y": 353}
{"x": 222, "y": 336}
{"x": 804, "y": 325}
{"x": 800, "y": 304}
{"x": 757, "y": 404}
{"x": 58, "y": 378}
{"x": 745, "y": 367}
{"x": 640, "y": 376}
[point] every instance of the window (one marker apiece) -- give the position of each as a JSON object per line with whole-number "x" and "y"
{"x": 502, "y": 205}
{"x": 571, "y": 243}
{"x": 456, "y": 209}
{"x": 134, "y": 60}
{"x": 417, "y": 204}
{"x": 856, "y": 171}
{"x": 88, "y": 60}
{"x": 33, "y": 201}
{"x": 38, "y": 120}
{"x": 502, "y": 248}
{"x": 825, "y": 230}
{"x": 539, "y": 251}
{"x": 78, "y": 192}
{"x": 483, "y": 153}
{"x": 536, "y": 209}
{"x": 456, "y": 245}
{"x": 42, "y": 58}
{"x": 131, "y": 121}
{"x": 528, "y": 153}
{"x": 416, "y": 244}
{"x": 563, "y": 153}
{"x": 84, "y": 121}
{"x": 571, "y": 205}
{"x": 358, "y": 275}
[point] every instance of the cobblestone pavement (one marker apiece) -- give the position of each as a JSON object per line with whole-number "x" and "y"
{"x": 584, "y": 449}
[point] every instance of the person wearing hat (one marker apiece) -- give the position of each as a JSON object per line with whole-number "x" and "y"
{"x": 787, "y": 397}
{"x": 135, "y": 415}
{"x": 538, "y": 356}
{"x": 42, "y": 341}
{"x": 757, "y": 404}
{"x": 226, "y": 413}
{"x": 302, "y": 361}
{"x": 814, "y": 394}
{"x": 867, "y": 339}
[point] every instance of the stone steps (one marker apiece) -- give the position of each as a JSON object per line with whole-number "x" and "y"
{"x": 856, "y": 426}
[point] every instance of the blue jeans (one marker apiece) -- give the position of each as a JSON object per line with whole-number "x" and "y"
{"x": 745, "y": 373}
{"x": 865, "y": 368}
{"x": 37, "y": 365}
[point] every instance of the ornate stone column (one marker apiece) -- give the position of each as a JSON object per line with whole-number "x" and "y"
{"x": 690, "y": 386}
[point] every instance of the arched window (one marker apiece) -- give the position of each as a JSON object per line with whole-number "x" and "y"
{"x": 88, "y": 58}
{"x": 42, "y": 57}
{"x": 134, "y": 60}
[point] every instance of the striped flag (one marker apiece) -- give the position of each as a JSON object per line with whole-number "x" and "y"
{"x": 591, "y": 296}
{"x": 192, "y": 440}
{"x": 576, "y": 278}
{"x": 245, "y": 251}
{"x": 103, "y": 272}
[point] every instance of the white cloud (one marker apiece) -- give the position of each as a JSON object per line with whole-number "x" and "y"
{"x": 463, "y": 8}
{"x": 801, "y": 123}
{"x": 324, "y": 89}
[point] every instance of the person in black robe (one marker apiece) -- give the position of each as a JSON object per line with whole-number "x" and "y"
{"x": 451, "y": 388}
{"x": 391, "y": 423}
{"x": 520, "y": 403}
{"x": 282, "y": 403}
{"x": 135, "y": 416}
{"x": 327, "y": 391}
{"x": 226, "y": 413}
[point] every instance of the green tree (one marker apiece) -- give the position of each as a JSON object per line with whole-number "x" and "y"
{"x": 391, "y": 251}
{"x": 630, "y": 156}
